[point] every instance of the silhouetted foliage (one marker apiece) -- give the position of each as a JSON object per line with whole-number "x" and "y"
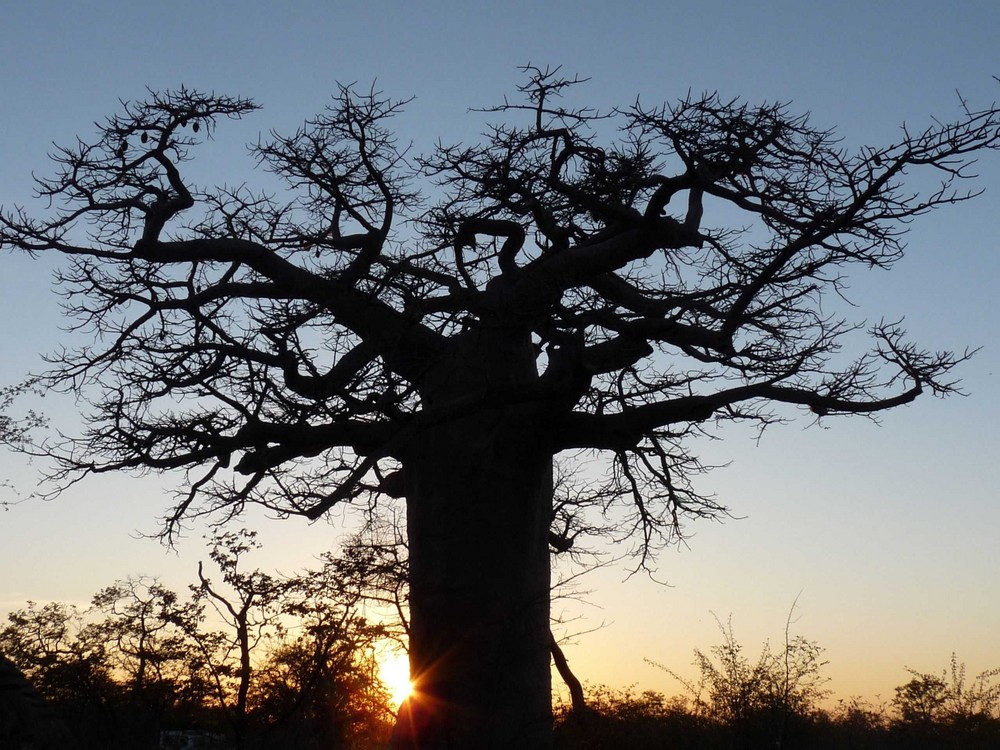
{"x": 625, "y": 718}
{"x": 855, "y": 723}
{"x": 27, "y": 720}
{"x": 15, "y": 431}
{"x": 439, "y": 327}
{"x": 142, "y": 659}
{"x": 248, "y": 606}
{"x": 740, "y": 703}
{"x": 161, "y": 679}
{"x": 320, "y": 689}
{"x": 67, "y": 662}
{"x": 948, "y": 709}
{"x": 766, "y": 701}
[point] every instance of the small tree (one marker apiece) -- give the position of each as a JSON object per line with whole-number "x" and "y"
{"x": 248, "y": 608}
{"x": 553, "y": 290}
{"x": 163, "y": 676}
{"x": 369, "y": 572}
{"x": 141, "y": 659}
{"x": 139, "y": 621}
{"x": 975, "y": 699}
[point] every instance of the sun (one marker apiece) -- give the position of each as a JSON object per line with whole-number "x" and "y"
{"x": 394, "y": 671}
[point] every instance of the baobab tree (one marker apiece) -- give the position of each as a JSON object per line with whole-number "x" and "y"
{"x": 439, "y": 327}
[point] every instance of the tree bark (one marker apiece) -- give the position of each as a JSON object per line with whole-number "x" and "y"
{"x": 479, "y": 494}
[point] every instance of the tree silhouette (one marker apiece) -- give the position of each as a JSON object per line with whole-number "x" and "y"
{"x": 65, "y": 660}
{"x": 139, "y": 625}
{"x": 248, "y": 608}
{"x": 439, "y": 327}
{"x": 26, "y": 719}
{"x": 948, "y": 709}
{"x": 52, "y": 645}
{"x": 756, "y": 700}
{"x": 279, "y": 660}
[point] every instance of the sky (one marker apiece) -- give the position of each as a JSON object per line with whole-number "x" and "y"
{"x": 885, "y": 535}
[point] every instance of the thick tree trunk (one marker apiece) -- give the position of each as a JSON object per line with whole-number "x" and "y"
{"x": 478, "y": 502}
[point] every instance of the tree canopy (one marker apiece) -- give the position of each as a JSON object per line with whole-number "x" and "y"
{"x": 307, "y": 332}
{"x": 611, "y": 281}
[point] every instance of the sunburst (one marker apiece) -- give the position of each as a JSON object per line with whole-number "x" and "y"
{"x": 394, "y": 671}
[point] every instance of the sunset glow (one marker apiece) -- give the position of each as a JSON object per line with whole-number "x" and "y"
{"x": 394, "y": 671}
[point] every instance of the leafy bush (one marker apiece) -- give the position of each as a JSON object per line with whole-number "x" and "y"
{"x": 948, "y": 710}
{"x": 765, "y": 702}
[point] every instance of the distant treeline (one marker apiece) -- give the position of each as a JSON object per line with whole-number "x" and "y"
{"x": 772, "y": 703}
{"x": 245, "y": 659}
{"x": 648, "y": 720}
{"x": 251, "y": 660}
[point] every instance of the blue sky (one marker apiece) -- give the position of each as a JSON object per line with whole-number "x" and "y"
{"x": 889, "y": 532}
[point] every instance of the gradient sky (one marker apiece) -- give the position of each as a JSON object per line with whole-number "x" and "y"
{"x": 888, "y": 534}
